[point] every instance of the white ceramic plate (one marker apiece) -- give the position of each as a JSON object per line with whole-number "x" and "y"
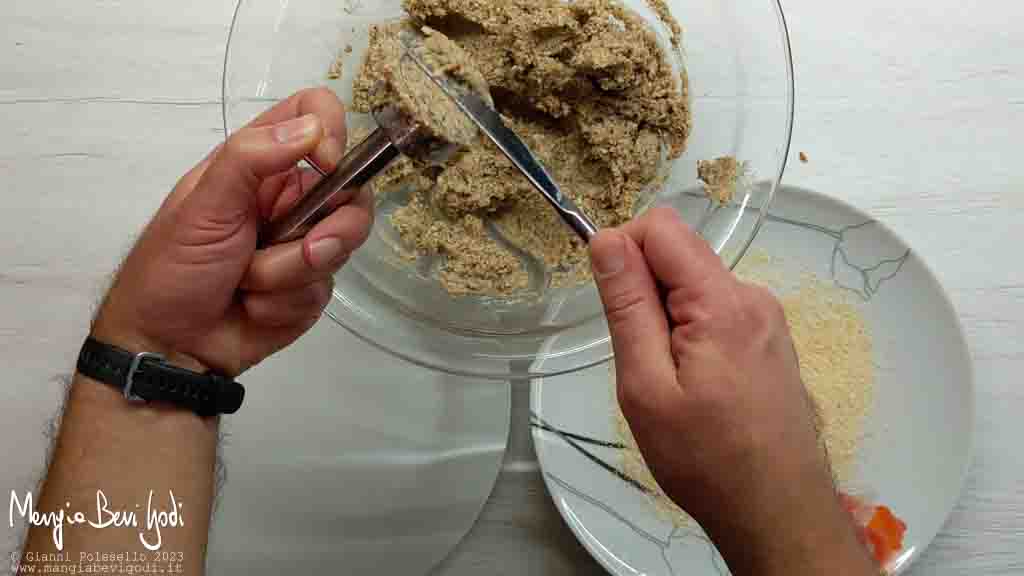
{"x": 918, "y": 438}
{"x": 346, "y": 460}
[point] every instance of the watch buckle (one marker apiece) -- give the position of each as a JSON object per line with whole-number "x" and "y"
{"x": 129, "y": 384}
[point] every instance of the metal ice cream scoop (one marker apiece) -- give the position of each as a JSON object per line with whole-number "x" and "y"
{"x": 396, "y": 134}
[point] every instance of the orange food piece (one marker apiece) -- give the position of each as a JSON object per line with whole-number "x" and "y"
{"x": 878, "y": 529}
{"x": 885, "y": 533}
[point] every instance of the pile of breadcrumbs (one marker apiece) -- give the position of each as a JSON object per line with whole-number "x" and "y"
{"x": 835, "y": 349}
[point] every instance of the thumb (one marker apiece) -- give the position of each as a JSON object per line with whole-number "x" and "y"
{"x": 636, "y": 319}
{"x": 227, "y": 191}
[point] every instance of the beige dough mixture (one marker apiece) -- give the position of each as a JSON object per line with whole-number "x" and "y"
{"x": 585, "y": 84}
{"x": 398, "y": 82}
{"x": 720, "y": 177}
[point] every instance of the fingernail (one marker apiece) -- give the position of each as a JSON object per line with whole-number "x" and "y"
{"x": 324, "y": 251}
{"x": 296, "y": 129}
{"x": 608, "y": 254}
{"x": 329, "y": 152}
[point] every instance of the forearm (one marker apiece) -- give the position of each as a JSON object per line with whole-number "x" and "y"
{"x": 111, "y": 456}
{"x": 819, "y": 539}
{"x": 196, "y": 290}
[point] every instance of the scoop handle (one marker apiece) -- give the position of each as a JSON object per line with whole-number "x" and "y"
{"x": 361, "y": 164}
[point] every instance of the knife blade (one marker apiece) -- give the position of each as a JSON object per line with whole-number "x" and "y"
{"x": 513, "y": 147}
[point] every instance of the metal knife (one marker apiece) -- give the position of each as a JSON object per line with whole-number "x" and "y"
{"x": 490, "y": 123}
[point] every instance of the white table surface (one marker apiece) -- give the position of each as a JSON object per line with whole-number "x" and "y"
{"x": 910, "y": 110}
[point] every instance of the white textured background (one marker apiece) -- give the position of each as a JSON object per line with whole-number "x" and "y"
{"x": 911, "y": 110}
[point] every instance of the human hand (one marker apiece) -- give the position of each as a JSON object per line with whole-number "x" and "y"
{"x": 196, "y": 289}
{"x": 709, "y": 381}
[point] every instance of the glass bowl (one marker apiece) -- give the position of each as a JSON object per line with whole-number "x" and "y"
{"x": 737, "y": 57}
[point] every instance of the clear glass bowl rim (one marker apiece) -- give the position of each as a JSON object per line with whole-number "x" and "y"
{"x": 531, "y": 372}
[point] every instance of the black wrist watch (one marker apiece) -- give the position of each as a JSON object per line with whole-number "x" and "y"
{"x": 146, "y": 377}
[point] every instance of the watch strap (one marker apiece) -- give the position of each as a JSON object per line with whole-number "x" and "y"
{"x": 147, "y": 377}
